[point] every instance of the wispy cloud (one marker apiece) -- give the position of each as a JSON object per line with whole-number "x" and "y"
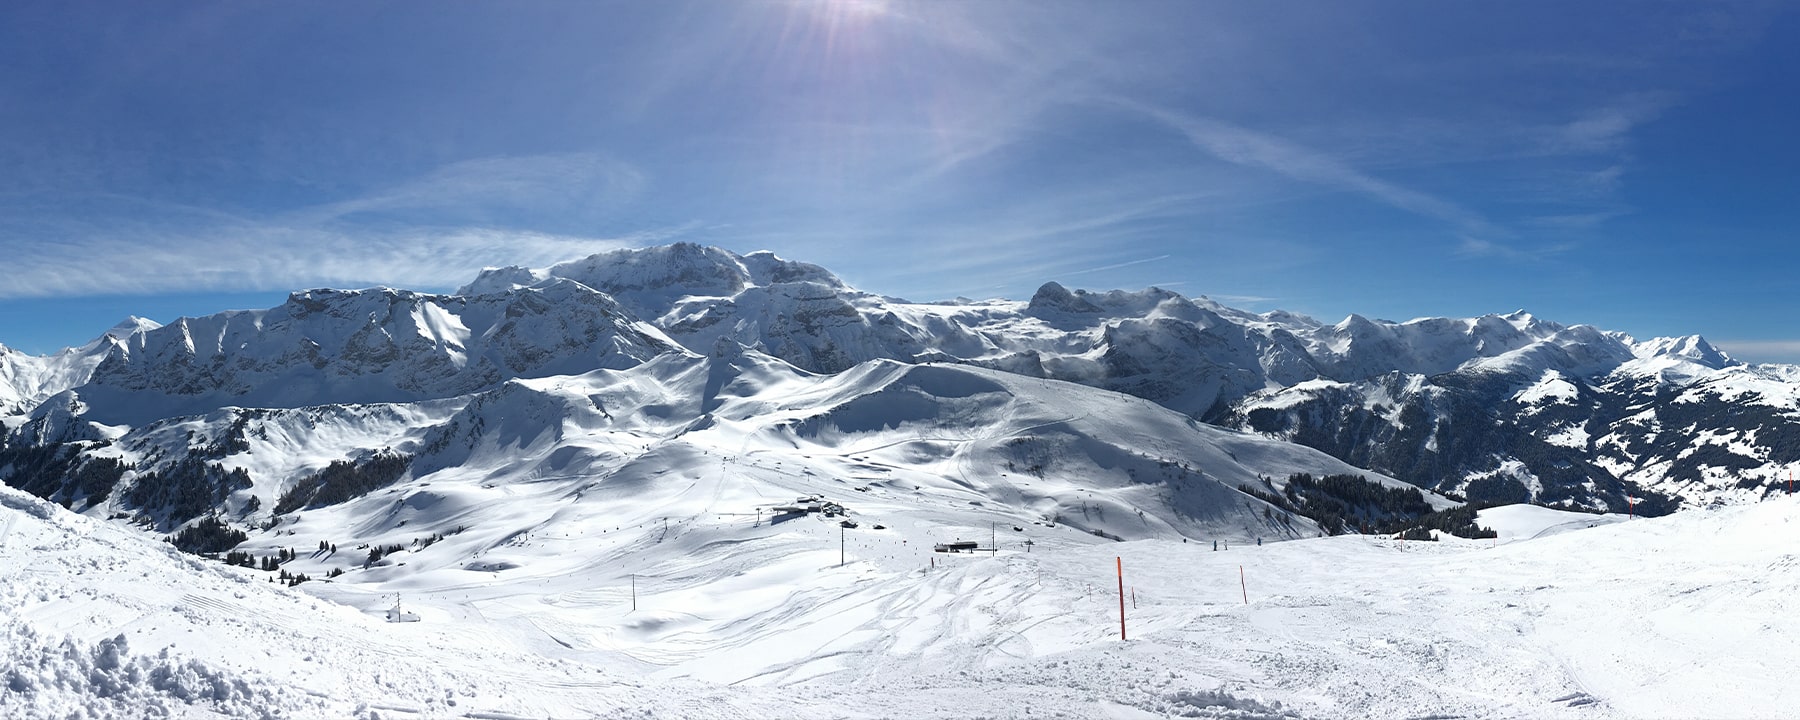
{"x": 586, "y": 181}
{"x": 135, "y": 246}
{"x": 1766, "y": 351}
{"x": 1249, "y": 148}
{"x": 272, "y": 258}
{"x": 1473, "y": 247}
{"x": 1244, "y": 299}
{"x": 1116, "y": 266}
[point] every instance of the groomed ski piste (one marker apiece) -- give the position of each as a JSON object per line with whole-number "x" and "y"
{"x": 607, "y": 553}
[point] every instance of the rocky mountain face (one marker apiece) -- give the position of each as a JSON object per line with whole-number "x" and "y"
{"x": 158, "y": 421}
{"x": 337, "y": 347}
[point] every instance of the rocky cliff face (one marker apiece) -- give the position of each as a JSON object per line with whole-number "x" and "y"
{"x": 337, "y": 347}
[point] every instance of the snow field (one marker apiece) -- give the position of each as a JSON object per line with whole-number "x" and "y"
{"x": 1673, "y": 617}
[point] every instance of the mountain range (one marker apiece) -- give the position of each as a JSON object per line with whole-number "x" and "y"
{"x": 1500, "y": 408}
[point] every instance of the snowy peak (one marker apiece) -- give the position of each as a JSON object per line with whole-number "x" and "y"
{"x": 1052, "y": 298}
{"x": 130, "y": 326}
{"x": 653, "y": 280}
{"x": 1690, "y": 348}
{"x": 26, "y": 380}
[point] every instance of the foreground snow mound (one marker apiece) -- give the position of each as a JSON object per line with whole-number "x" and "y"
{"x": 104, "y": 680}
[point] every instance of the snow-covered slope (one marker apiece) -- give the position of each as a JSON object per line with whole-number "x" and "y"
{"x": 725, "y": 616}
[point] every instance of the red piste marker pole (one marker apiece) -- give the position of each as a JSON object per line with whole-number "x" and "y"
{"x": 1121, "y": 562}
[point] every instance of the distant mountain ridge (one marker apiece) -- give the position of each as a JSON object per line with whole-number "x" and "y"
{"x": 1503, "y": 406}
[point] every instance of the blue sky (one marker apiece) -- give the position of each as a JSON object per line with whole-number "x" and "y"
{"x": 1631, "y": 165}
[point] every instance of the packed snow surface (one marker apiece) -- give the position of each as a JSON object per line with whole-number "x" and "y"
{"x": 1680, "y": 616}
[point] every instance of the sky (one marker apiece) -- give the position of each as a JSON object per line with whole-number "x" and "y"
{"x": 1629, "y": 165}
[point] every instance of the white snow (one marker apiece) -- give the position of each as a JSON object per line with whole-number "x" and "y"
{"x": 1551, "y": 387}
{"x": 1524, "y": 522}
{"x": 1672, "y": 617}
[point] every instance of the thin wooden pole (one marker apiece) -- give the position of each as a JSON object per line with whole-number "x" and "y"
{"x": 1121, "y": 564}
{"x": 634, "y": 592}
{"x": 1243, "y": 585}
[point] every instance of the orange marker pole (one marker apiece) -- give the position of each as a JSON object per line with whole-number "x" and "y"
{"x": 1121, "y": 563}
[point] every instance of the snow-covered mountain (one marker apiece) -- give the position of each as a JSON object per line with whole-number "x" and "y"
{"x": 27, "y": 380}
{"x": 1461, "y": 405}
{"x": 337, "y": 347}
{"x": 1501, "y": 407}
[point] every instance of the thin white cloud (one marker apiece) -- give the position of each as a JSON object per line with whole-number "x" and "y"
{"x": 1116, "y": 266}
{"x": 1473, "y": 247}
{"x": 1767, "y": 351}
{"x": 135, "y": 246}
{"x": 1249, "y": 148}
{"x": 1243, "y": 299}
{"x": 585, "y": 180}
{"x": 272, "y": 258}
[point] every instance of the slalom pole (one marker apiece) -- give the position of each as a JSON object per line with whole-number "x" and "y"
{"x": 1121, "y": 563}
{"x": 1243, "y": 585}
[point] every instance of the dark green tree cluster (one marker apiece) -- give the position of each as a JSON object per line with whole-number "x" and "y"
{"x": 61, "y": 472}
{"x": 274, "y": 562}
{"x": 1458, "y": 521}
{"x": 1496, "y": 490}
{"x": 378, "y": 551}
{"x": 292, "y": 579}
{"x": 232, "y": 440}
{"x": 344, "y": 480}
{"x": 1342, "y": 503}
{"x": 208, "y": 536}
{"x": 187, "y": 489}
{"x": 1351, "y": 503}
